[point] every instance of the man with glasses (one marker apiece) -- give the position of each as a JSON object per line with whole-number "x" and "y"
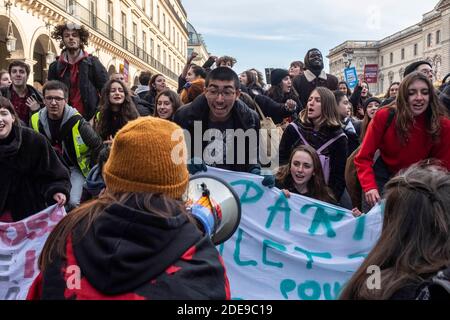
{"x": 217, "y": 120}
{"x": 422, "y": 66}
{"x": 70, "y": 135}
{"x": 25, "y": 98}
{"x": 81, "y": 72}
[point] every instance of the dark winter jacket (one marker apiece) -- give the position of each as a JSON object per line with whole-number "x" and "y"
{"x": 277, "y": 111}
{"x": 434, "y": 287}
{"x": 31, "y": 174}
{"x": 357, "y": 101}
{"x": 352, "y": 129}
{"x": 131, "y": 254}
{"x": 143, "y": 107}
{"x": 243, "y": 118}
{"x": 444, "y": 96}
{"x": 88, "y": 134}
{"x": 92, "y": 78}
{"x": 305, "y": 84}
{"x": 6, "y": 92}
{"x": 336, "y": 151}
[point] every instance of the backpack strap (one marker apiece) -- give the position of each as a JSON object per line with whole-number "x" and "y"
{"x": 299, "y": 133}
{"x": 258, "y": 108}
{"x": 389, "y": 120}
{"x": 329, "y": 142}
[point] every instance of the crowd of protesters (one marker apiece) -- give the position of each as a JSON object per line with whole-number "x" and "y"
{"x": 337, "y": 145}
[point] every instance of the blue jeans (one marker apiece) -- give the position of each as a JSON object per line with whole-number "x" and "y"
{"x": 77, "y": 180}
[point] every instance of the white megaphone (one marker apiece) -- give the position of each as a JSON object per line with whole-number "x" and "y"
{"x": 215, "y": 205}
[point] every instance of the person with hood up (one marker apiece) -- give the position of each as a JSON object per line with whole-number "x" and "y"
{"x": 82, "y": 73}
{"x": 136, "y": 241}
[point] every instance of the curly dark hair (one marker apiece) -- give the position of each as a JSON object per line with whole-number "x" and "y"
{"x": 108, "y": 121}
{"x": 57, "y": 34}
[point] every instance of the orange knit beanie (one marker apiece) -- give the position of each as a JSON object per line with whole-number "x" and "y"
{"x": 144, "y": 158}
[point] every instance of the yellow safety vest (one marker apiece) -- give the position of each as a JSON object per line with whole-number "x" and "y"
{"x": 81, "y": 149}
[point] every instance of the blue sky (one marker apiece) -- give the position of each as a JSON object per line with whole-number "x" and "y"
{"x": 268, "y": 33}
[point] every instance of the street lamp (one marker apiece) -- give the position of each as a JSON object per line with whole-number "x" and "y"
{"x": 50, "y": 56}
{"x": 348, "y": 57}
{"x": 10, "y": 39}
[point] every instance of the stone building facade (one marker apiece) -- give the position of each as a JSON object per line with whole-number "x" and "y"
{"x": 427, "y": 40}
{"x": 147, "y": 35}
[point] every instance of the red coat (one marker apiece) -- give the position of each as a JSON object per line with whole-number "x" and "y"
{"x": 396, "y": 155}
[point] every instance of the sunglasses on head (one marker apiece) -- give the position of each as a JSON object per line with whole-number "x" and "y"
{"x": 73, "y": 26}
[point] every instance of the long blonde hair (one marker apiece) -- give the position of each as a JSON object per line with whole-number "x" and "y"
{"x": 330, "y": 116}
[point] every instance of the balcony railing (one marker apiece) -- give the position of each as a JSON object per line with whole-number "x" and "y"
{"x": 94, "y": 22}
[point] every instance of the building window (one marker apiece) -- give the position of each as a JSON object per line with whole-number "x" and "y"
{"x": 164, "y": 23}
{"x": 403, "y": 54}
{"x": 110, "y": 15}
{"x": 158, "y": 53}
{"x": 438, "y": 36}
{"x": 416, "y": 49}
{"x": 134, "y": 35}
{"x": 164, "y": 58}
{"x": 391, "y": 57}
{"x": 124, "y": 30}
{"x": 144, "y": 5}
{"x": 382, "y": 60}
{"x": 157, "y": 14}
{"x": 170, "y": 37}
{"x": 151, "y": 9}
{"x": 93, "y": 7}
{"x": 429, "y": 40}
{"x": 151, "y": 47}
{"x": 144, "y": 41}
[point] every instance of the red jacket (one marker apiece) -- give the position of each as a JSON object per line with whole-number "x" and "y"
{"x": 396, "y": 155}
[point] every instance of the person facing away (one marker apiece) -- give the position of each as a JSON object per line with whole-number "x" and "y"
{"x": 314, "y": 76}
{"x": 25, "y": 98}
{"x": 136, "y": 241}
{"x": 413, "y": 128}
{"x": 413, "y": 250}
{"x": 32, "y": 177}
{"x": 70, "y": 135}
{"x": 82, "y": 73}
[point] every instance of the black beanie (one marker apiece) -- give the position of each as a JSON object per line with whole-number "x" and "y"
{"x": 277, "y": 75}
{"x": 371, "y": 99}
{"x": 413, "y": 66}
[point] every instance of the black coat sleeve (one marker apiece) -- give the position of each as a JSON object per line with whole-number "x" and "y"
{"x": 100, "y": 74}
{"x": 91, "y": 139}
{"x": 49, "y": 171}
{"x": 289, "y": 140}
{"x": 355, "y": 98}
{"x": 273, "y": 109}
{"x": 338, "y": 159}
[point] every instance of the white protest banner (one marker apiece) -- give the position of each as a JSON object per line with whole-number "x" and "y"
{"x": 296, "y": 248}
{"x": 21, "y": 243}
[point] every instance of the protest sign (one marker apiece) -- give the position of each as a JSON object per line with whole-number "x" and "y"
{"x": 21, "y": 243}
{"x": 296, "y": 248}
{"x": 351, "y": 77}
